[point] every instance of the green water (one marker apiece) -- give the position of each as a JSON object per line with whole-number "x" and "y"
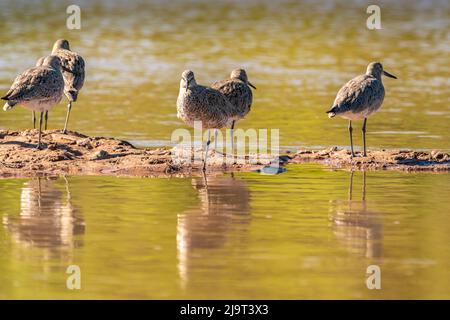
{"x": 295, "y": 235}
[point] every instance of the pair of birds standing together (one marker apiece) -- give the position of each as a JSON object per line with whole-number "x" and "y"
{"x": 218, "y": 106}
{"x": 229, "y": 100}
{"x": 41, "y": 88}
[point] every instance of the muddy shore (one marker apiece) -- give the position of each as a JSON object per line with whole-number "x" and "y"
{"x": 77, "y": 154}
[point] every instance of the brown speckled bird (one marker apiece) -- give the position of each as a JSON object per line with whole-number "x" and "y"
{"x": 38, "y": 89}
{"x": 359, "y": 98}
{"x": 205, "y": 104}
{"x": 238, "y": 92}
{"x": 72, "y": 65}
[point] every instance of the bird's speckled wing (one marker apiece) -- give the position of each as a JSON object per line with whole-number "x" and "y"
{"x": 204, "y": 104}
{"x": 238, "y": 93}
{"x": 38, "y": 83}
{"x": 73, "y": 67}
{"x": 360, "y": 93}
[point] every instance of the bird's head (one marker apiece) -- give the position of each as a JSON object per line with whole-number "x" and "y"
{"x": 375, "y": 69}
{"x": 240, "y": 74}
{"x": 52, "y": 61}
{"x": 187, "y": 79}
{"x": 61, "y": 44}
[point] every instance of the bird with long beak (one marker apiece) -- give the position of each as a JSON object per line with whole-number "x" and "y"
{"x": 237, "y": 90}
{"x": 360, "y": 98}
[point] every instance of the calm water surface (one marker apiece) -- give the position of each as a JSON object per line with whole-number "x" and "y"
{"x": 298, "y": 54}
{"x": 308, "y": 233}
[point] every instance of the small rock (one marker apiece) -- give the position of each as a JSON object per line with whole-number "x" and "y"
{"x": 437, "y": 155}
{"x": 271, "y": 170}
{"x": 332, "y": 149}
{"x": 86, "y": 143}
{"x": 284, "y": 159}
{"x": 99, "y": 155}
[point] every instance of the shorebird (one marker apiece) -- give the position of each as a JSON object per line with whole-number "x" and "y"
{"x": 38, "y": 89}
{"x": 73, "y": 72}
{"x": 237, "y": 90}
{"x": 360, "y": 98}
{"x": 200, "y": 103}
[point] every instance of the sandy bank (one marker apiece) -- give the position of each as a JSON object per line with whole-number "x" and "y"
{"x": 405, "y": 160}
{"x": 77, "y": 154}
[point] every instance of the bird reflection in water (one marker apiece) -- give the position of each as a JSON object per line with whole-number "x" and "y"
{"x": 47, "y": 219}
{"x": 357, "y": 227}
{"x": 224, "y": 213}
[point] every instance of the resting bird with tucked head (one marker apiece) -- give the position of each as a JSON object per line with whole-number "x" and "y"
{"x": 360, "y": 98}
{"x": 237, "y": 90}
{"x": 73, "y": 71}
{"x": 205, "y": 104}
{"x": 37, "y": 89}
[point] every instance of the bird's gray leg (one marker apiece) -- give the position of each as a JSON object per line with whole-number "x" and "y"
{"x": 232, "y": 137}
{"x": 33, "y": 119}
{"x": 46, "y": 120}
{"x": 40, "y": 130}
{"x": 215, "y": 138}
{"x": 350, "y": 130}
{"x": 364, "y": 136}
{"x": 69, "y": 107}
{"x": 207, "y": 148}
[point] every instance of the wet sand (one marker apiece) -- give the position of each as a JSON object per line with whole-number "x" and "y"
{"x": 77, "y": 154}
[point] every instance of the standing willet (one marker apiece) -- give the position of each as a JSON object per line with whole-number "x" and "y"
{"x": 73, "y": 72}
{"x": 359, "y": 98}
{"x": 200, "y": 103}
{"x": 38, "y": 89}
{"x": 237, "y": 90}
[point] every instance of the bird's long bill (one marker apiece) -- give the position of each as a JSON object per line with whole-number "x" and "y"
{"x": 387, "y": 74}
{"x": 251, "y": 85}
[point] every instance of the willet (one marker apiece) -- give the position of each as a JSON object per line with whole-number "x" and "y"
{"x": 359, "y": 98}
{"x": 73, "y": 72}
{"x": 237, "y": 90}
{"x": 205, "y": 104}
{"x": 38, "y": 89}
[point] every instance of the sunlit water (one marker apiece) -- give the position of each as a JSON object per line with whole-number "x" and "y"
{"x": 301, "y": 234}
{"x": 307, "y": 233}
{"x": 298, "y": 54}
